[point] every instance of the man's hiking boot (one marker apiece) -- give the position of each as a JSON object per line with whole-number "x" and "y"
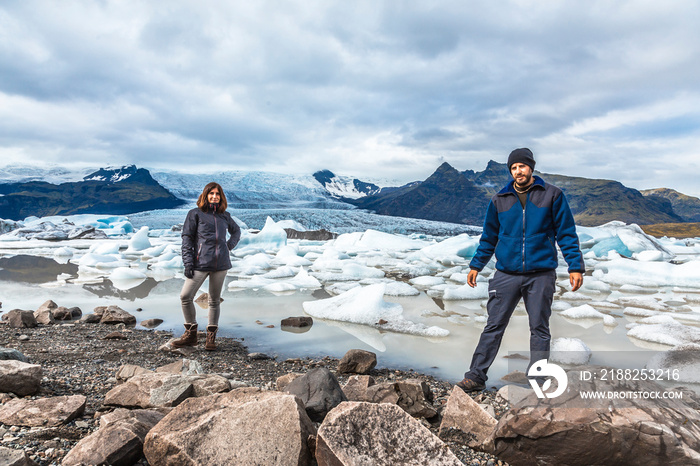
{"x": 211, "y": 338}
{"x": 469, "y": 385}
{"x": 189, "y": 338}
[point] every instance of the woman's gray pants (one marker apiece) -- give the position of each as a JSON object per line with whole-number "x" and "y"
{"x": 505, "y": 290}
{"x": 189, "y": 289}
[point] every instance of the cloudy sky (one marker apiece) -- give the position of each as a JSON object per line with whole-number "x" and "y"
{"x": 374, "y": 89}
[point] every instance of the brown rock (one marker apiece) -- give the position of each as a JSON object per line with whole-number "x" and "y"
{"x": 116, "y": 315}
{"x": 518, "y": 377}
{"x": 245, "y": 426}
{"x": 286, "y": 379}
{"x": 297, "y": 322}
{"x": 61, "y": 313}
{"x": 42, "y": 412}
{"x": 387, "y": 392}
{"x": 575, "y": 431}
{"x": 147, "y": 391}
{"x": 415, "y": 397}
{"x": 18, "y": 318}
{"x": 356, "y": 387}
{"x": 182, "y": 366}
{"x": 119, "y": 441}
{"x": 464, "y": 421}
{"x": 91, "y": 319}
{"x": 19, "y": 377}
{"x": 151, "y": 323}
{"x": 13, "y": 457}
{"x": 357, "y": 361}
{"x": 128, "y": 371}
{"x": 357, "y": 433}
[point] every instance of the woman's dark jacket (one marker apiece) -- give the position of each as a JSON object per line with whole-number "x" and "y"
{"x": 204, "y": 245}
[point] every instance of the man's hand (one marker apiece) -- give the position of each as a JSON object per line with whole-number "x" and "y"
{"x": 471, "y": 278}
{"x": 576, "y": 280}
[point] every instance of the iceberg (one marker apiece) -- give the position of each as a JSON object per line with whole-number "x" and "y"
{"x": 139, "y": 241}
{"x": 461, "y": 245}
{"x": 587, "y": 311}
{"x": 651, "y": 274}
{"x": 481, "y": 291}
{"x": 569, "y": 351}
{"x": 272, "y": 236}
{"x": 366, "y": 305}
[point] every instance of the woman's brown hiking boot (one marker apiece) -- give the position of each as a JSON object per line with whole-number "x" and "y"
{"x": 210, "y": 345}
{"x": 189, "y": 338}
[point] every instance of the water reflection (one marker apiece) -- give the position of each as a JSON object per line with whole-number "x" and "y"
{"x": 33, "y": 269}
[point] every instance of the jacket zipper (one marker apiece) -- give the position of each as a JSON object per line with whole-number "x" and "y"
{"x": 524, "y": 207}
{"x": 199, "y": 251}
{"x": 216, "y": 237}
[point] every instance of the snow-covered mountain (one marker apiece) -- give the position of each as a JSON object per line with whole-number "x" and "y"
{"x": 50, "y": 174}
{"x": 345, "y": 186}
{"x": 253, "y": 189}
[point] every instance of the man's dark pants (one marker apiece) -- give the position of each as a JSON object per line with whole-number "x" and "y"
{"x": 505, "y": 291}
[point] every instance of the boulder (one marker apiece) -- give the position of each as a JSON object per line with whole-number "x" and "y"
{"x": 356, "y": 433}
{"x": 297, "y": 322}
{"x": 513, "y": 394}
{"x": 119, "y": 441}
{"x": 163, "y": 389}
{"x": 415, "y": 397}
{"x": 464, "y": 421}
{"x": 11, "y": 354}
{"x": 19, "y": 377}
{"x": 18, "y": 318}
{"x": 128, "y": 371}
{"x": 357, "y": 361}
{"x": 91, "y": 319}
{"x": 61, "y": 313}
{"x": 44, "y": 315}
{"x": 182, "y": 366}
{"x": 286, "y": 379}
{"x": 387, "y": 392}
{"x": 116, "y": 315}
{"x": 625, "y": 427}
{"x": 42, "y": 412}
{"x": 318, "y": 390}
{"x": 356, "y": 387}
{"x": 13, "y": 457}
{"x": 244, "y": 426}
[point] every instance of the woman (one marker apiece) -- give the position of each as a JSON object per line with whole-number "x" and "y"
{"x": 205, "y": 253}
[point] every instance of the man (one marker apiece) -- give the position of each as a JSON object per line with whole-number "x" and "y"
{"x": 523, "y": 222}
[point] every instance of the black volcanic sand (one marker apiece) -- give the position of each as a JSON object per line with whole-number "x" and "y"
{"x": 76, "y": 360}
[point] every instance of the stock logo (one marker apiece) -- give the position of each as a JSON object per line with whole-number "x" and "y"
{"x": 542, "y": 369}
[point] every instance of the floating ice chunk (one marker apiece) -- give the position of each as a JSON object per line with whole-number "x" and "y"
{"x": 633, "y": 237}
{"x": 279, "y": 287}
{"x": 366, "y": 306}
{"x": 63, "y": 252}
{"x": 560, "y": 305}
{"x": 461, "y": 246}
{"x": 587, "y": 311}
{"x": 575, "y": 296}
{"x": 342, "y": 287}
{"x": 669, "y": 332}
{"x": 649, "y": 256}
{"x": 394, "y": 288}
{"x": 643, "y": 302}
{"x": 592, "y": 284}
{"x": 292, "y": 224}
{"x": 126, "y": 273}
{"x": 373, "y": 239}
{"x": 481, "y": 291}
{"x": 652, "y": 274}
{"x": 260, "y": 260}
{"x": 105, "y": 247}
{"x": 635, "y": 289}
{"x": 281, "y": 272}
{"x": 272, "y": 236}
{"x": 569, "y": 351}
{"x": 347, "y": 241}
{"x": 172, "y": 263}
{"x": 154, "y": 251}
{"x": 606, "y": 245}
{"x": 101, "y": 261}
{"x": 139, "y": 241}
{"x": 459, "y": 277}
{"x": 253, "y": 282}
{"x": 356, "y": 271}
{"x": 304, "y": 280}
{"x": 426, "y": 281}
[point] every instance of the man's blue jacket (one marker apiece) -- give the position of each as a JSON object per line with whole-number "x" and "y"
{"x": 523, "y": 239}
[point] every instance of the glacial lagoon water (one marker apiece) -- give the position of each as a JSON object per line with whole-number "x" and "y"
{"x": 253, "y": 313}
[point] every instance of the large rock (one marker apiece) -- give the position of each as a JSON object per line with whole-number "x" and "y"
{"x": 358, "y": 433}
{"x": 18, "y": 318}
{"x": 12, "y": 457}
{"x": 19, "y": 377}
{"x": 182, "y": 366}
{"x": 119, "y": 441}
{"x": 11, "y": 354}
{"x": 244, "y": 426}
{"x": 297, "y": 322}
{"x": 318, "y": 390}
{"x": 44, "y": 315}
{"x": 626, "y": 427}
{"x": 128, "y": 371}
{"x": 42, "y": 412}
{"x": 64, "y": 313}
{"x": 164, "y": 389}
{"x": 412, "y": 395}
{"x": 116, "y": 315}
{"x": 463, "y": 420}
{"x": 356, "y": 387}
{"x": 415, "y": 397}
{"x": 357, "y": 361}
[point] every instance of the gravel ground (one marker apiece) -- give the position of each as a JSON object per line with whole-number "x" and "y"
{"x": 76, "y": 359}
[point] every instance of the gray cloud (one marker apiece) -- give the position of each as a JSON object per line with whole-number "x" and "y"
{"x": 374, "y": 89}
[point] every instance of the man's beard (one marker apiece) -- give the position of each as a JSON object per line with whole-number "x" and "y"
{"x": 528, "y": 178}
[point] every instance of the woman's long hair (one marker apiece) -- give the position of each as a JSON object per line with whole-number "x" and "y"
{"x": 203, "y": 201}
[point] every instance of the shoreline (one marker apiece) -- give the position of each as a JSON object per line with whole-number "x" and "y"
{"x": 76, "y": 359}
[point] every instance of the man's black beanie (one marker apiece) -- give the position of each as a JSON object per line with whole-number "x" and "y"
{"x": 523, "y": 155}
